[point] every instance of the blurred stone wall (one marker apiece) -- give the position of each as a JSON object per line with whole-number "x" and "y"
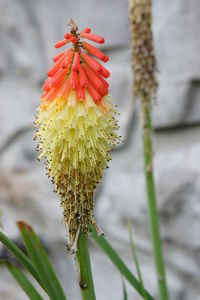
{"x": 28, "y": 30}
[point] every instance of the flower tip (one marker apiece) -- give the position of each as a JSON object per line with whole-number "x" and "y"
{"x": 101, "y": 40}
{"x": 105, "y": 58}
{"x": 86, "y": 30}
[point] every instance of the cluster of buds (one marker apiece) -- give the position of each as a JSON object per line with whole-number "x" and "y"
{"x": 75, "y": 69}
{"x": 76, "y": 127}
{"x": 143, "y": 60}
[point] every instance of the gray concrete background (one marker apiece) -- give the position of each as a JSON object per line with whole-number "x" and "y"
{"x": 28, "y": 30}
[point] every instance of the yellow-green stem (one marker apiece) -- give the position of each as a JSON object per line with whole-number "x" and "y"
{"x": 151, "y": 197}
{"x": 84, "y": 269}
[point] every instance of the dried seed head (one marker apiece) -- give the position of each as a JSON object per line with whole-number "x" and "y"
{"x": 143, "y": 59}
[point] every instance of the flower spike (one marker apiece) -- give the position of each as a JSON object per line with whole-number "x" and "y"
{"x": 76, "y": 127}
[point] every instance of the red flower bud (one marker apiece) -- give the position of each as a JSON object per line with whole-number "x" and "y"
{"x": 92, "y": 37}
{"x": 86, "y": 30}
{"x": 93, "y": 78}
{"x": 58, "y": 78}
{"x": 82, "y": 77}
{"x": 65, "y": 89}
{"x": 56, "y": 57}
{"x": 60, "y": 43}
{"x": 94, "y": 94}
{"x": 73, "y": 80}
{"x": 56, "y": 66}
{"x": 91, "y": 62}
{"x": 68, "y": 59}
{"x": 94, "y": 51}
{"x": 76, "y": 61}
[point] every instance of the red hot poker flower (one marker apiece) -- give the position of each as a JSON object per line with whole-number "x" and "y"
{"x": 76, "y": 127}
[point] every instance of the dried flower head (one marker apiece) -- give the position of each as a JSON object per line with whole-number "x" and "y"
{"x": 143, "y": 60}
{"x": 76, "y": 126}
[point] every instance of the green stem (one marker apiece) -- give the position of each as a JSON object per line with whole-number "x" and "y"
{"x": 84, "y": 269}
{"x": 151, "y": 196}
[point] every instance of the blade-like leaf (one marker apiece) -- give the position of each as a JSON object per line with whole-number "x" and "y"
{"x": 21, "y": 257}
{"x": 23, "y": 281}
{"x": 135, "y": 259}
{"x": 117, "y": 261}
{"x": 41, "y": 262}
{"x": 125, "y": 296}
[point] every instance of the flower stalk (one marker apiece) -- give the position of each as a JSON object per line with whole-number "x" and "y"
{"x": 151, "y": 198}
{"x": 144, "y": 86}
{"x": 82, "y": 259}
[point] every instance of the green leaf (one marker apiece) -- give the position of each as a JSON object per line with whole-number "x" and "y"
{"x": 117, "y": 261}
{"x": 22, "y": 280}
{"x": 41, "y": 262}
{"x": 21, "y": 257}
{"x": 135, "y": 258}
{"x": 125, "y": 296}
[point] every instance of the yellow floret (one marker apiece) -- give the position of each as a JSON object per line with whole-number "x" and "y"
{"x": 76, "y": 138}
